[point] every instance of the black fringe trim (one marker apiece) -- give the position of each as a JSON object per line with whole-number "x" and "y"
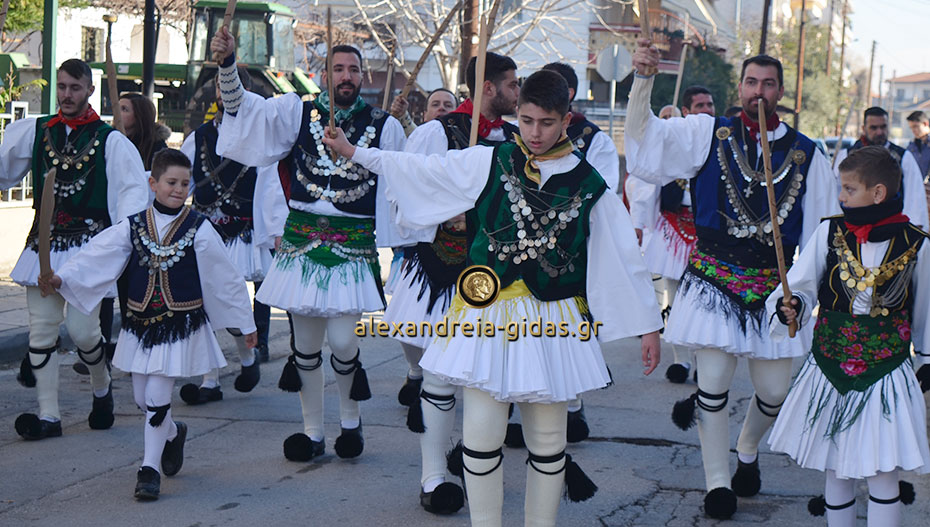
{"x": 169, "y": 329}
{"x": 717, "y": 300}
{"x": 437, "y": 288}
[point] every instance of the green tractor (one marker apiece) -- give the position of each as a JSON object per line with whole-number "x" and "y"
{"x": 264, "y": 44}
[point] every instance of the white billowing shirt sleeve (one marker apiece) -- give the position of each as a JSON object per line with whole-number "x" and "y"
{"x": 804, "y": 281}
{"x": 662, "y": 150}
{"x": 428, "y": 138}
{"x": 842, "y": 154}
{"x": 915, "y": 198}
{"x": 16, "y": 151}
{"x": 602, "y": 155}
{"x": 619, "y": 287}
{"x": 225, "y": 295}
{"x": 269, "y": 208}
{"x": 820, "y": 197}
{"x": 644, "y": 202}
{"x": 920, "y": 335}
{"x": 263, "y": 131}
{"x": 431, "y": 189}
{"x": 127, "y": 181}
{"x": 89, "y": 275}
{"x": 387, "y": 232}
{"x": 189, "y": 147}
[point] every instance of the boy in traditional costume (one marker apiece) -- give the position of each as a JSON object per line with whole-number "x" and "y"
{"x": 544, "y": 239}
{"x": 181, "y": 286}
{"x": 856, "y": 410}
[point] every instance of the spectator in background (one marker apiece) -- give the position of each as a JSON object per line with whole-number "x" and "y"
{"x": 138, "y": 114}
{"x": 697, "y": 99}
{"x": 438, "y": 103}
{"x": 920, "y": 146}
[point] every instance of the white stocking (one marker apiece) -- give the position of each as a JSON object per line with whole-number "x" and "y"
{"x": 716, "y": 367}
{"x": 483, "y": 430}
{"x": 308, "y": 338}
{"x": 771, "y": 380}
{"x": 413, "y": 355}
{"x": 838, "y": 493}
{"x": 45, "y": 316}
{"x": 85, "y": 332}
{"x": 438, "y": 420}
{"x": 884, "y": 486}
{"x": 154, "y": 391}
{"x": 544, "y": 430}
{"x": 343, "y": 342}
{"x": 211, "y": 379}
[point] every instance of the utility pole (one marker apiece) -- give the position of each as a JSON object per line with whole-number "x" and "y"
{"x": 830, "y": 37}
{"x": 766, "y": 7}
{"x": 681, "y": 60}
{"x": 881, "y": 82}
{"x": 799, "y": 88}
{"x": 469, "y": 34}
{"x": 49, "y": 62}
{"x": 868, "y": 87}
{"x": 839, "y": 85}
{"x": 148, "y": 49}
{"x": 893, "y": 95}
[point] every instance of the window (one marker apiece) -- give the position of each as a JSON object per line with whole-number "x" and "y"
{"x": 899, "y": 94}
{"x": 92, "y": 44}
{"x": 926, "y": 94}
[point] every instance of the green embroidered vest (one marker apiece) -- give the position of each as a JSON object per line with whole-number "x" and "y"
{"x": 535, "y": 234}
{"x": 80, "y": 182}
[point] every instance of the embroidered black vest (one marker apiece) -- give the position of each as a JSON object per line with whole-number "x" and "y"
{"x": 838, "y": 283}
{"x": 223, "y": 188}
{"x": 896, "y": 151}
{"x": 730, "y": 213}
{"x": 671, "y": 195}
{"x": 80, "y": 182}
{"x": 582, "y": 133}
{"x": 163, "y": 273}
{"x": 541, "y": 238}
{"x": 458, "y": 128}
{"x": 313, "y": 175}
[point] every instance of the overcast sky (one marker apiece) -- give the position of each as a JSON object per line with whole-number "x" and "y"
{"x": 902, "y": 30}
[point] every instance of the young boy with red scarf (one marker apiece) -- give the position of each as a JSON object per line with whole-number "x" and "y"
{"x": 100, "y": 180}
{"x": 855, "y": 409}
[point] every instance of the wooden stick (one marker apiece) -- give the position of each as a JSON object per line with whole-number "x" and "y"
{"x": 388, "y": 81}
{"x": 227, "y": 20}
{"x": 773, "y": 215}
{"x": 330, "y": 80}
{"x": 483, "y": 39}
{"x": 111, "y": 85}
{"x": 47, "y": 210}
{"x": 646, "y": 28}
{"x": 412, "y": 79}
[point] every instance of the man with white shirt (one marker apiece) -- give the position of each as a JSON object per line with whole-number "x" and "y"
{"x": 875, "y": 132}
{"x": 719, "y": 307}
{"x": 325, "y": 272}
{"x": 99, "y": 181}
{"x": 427, "y": 275}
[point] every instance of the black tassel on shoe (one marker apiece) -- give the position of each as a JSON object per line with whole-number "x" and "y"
{"x": 290, "y": 378}
{"x": 817, "y": 506}
{"x": 360, "y": 390}
{"x": 906, "y": 492}
{"x": 25, "y": 376}
{"x": 578, "y": 486}
{"x": 454, "y": 460}
{"x": 683, "y": 413}
{"x": 415, "y": 417}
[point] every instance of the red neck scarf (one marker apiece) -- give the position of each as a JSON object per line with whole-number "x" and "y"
{"x": 771, "y": 123}
{"x": 577, "y": 117}
{"x": 864, "y": 140}
{"x": 862, "y": 231}
{"x": 484, "y": 126}
{"x": 87, "y": 117}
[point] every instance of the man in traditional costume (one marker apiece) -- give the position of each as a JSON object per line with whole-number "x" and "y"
{"x": 719, "y": 307}
{"x": 325, "y": 272}
{"x": 100, "y": 180}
